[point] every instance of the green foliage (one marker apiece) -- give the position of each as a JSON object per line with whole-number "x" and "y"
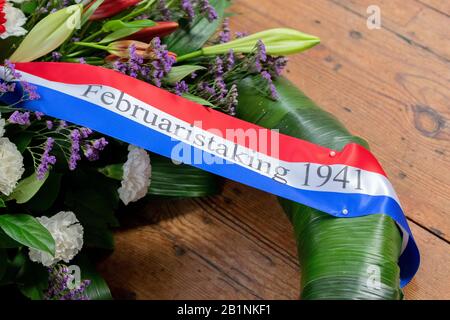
{"x": 178, "y": 73}
{"x": 27, "y": 188}
{"x": 26, "y": 230}
{"x": 192, "y": 36}
{"x": 169, "y": 179}
{"x": 122, "y": 29}
{"x": 98, "y": 289}
{"x": 90, "y": 11}
{"x": 198, "y": 100}
{"x": 94, "y": 199}
{"x": 335, "y": 254}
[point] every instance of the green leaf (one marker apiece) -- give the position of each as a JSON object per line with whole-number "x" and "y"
{"x": 180, "y": 72}
{"x": 28, "y": 231}
{"x": 2, "y": 203}
{"x": 95, "y": 200}
{"x": 98, "y": 289}
{"x": 29, "y": 7}
{"x": 113, "y": 171}
{"x": 32, "y": 280}
{"x": 198, "y": 100}
{"x": 115, "y": 25}
{"x": 119, "y": 34}
{"x": 90, "y": 11}
{"x": 335, "y": 254}
{"x": 22, "y": 140}
{"x": 47, "y": 194}
{"x": 122, "y": 29}
{"x": 169, "y": 179}
{"x": 27, "y": 188}
{"x": 192, "y": 36}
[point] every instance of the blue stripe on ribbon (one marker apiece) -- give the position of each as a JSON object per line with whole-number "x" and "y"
{"x": 66, "y": 107}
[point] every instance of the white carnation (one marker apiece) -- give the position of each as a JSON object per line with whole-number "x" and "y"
{"x": 68, "y": 235}
{"x": 2, "y": 126}
{"x": 136, "y": 175}
{"x": 11, "y": 166}
{"x": 15, "y": 19}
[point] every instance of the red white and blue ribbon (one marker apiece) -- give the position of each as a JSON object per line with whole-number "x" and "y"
{"x": 347, "y": 183}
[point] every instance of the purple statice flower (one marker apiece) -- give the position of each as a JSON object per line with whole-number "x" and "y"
{"x": 75, "y": 138}
{"x": 164, "y": 10}
{"x": 181, "y": 87}
{"x": 232, "y": 100}
{"x": 162, "y": 64}
{"x": 21, "y": 118}
{"x": 225, "y": 34}
{"x": 276, "y": 65}
{"x": 268, "y": 78}
{"x": 30, "y": 91}
{"x": 82, "y": 60}
{"x": 135, "y": 62}
{"x": 120, "y": 66}
{"x": 230, "y": 60}
{"x": 85, "y": 132}
{"x": 240, "y": 34}
{"x": 62, "y": 124}
{"x": 12, "y": 69}
{"x": 218, "y": 67}
{"x": 260, "y": 56}
{"x": 207, "y": 89}
{"x": 188, "y": 8}
{"x": 7, "y": 87}
{"x": 100, "y": 144}
{"x": 56, "y": 56}
{"x": 39, "y": 115}
{"x": 92, "y": 151}
{"x": 219, "y": 81}
{"x": 193, "y": 75}
{"x": 46, "y": 159}
{"x": 208, "y": 10}
{"x": 60, "y": 282}
{"x": 49, "y": 124}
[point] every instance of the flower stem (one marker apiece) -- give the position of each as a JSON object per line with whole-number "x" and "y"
{"x": 191, "y": 55}
{"x": 91, "y": 45}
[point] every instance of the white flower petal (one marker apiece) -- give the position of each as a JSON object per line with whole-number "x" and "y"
{"x": 136, "y": 175}
{"x": 68, "y": 235}
{"x": 15, "y": 19}
{"x": 11, "y": 166}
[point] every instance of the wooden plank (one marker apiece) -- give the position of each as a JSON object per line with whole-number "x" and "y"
{"x": 392, "y": 93}
{"x": 238, "y": 245}
{"x": 442, "y": 6}
{"x": 413, "y": 22}
{"x": 202, "y": 253}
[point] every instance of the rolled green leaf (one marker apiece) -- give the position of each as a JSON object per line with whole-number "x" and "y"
{"x": 171, "y": 180}
{"x": 340, "y": 258}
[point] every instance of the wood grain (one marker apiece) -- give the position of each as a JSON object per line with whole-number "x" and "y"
{"x": 238, "y": 245}
{"x": 390, "y": 86}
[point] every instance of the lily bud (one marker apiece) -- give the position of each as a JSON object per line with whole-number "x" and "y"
{"x": 110, "y": 8}
{"x": 161, "y": 29}
{"x": 48, "y": 34}
{"x": 122, "y": 48}
{"x": 278, "y": 42}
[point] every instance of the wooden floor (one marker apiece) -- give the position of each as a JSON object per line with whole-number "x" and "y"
{"x": 390, "y": 86}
